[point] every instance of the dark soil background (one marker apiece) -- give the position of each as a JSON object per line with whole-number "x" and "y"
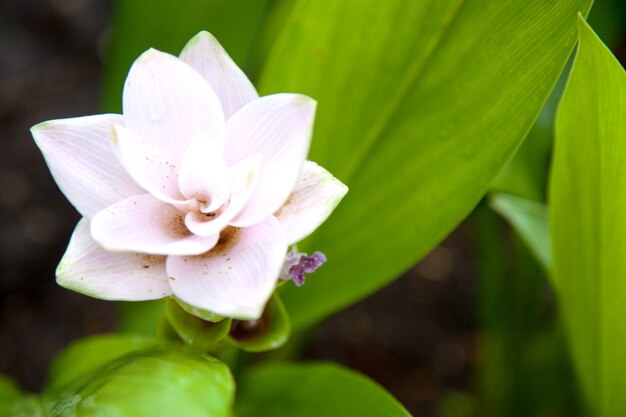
{"x": 416, "y": 337}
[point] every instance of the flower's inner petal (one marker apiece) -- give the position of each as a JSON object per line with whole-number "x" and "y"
{"x": 79, "y": 154}
{"x": 89, "y": 269}
{"x": 204, "y": 175}
{"x": 279, "y": 128}
{"x": 149, "y": 166}
{"x": 237, "y": 277}
{"x": 204, "y": 54}
{"x": 243, "y": 178}
{"x": 168, "y": 103}
{"x": 147, "y": 225}
{"x": 314, "y": 197}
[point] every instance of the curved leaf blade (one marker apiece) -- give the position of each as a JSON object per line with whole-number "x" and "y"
{"x": 421, "y": 104}
{"x": 154, "y": 382}
{"x": 312, "y": 390}
{"x": 588, "y": 220}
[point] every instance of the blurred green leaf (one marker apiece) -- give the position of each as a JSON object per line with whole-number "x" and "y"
{"x": 155, "y": 382}
{"x": 530, "y": 221}
{"x": 167, "y": 26}
{"x": 139, "y": 317}
{"x": 588, "y": 221}
{"x": 11, "y": 397}
{"x": 9, "y": 390}
{"x": 312, "y": 390}
{"x": 270, "y": 332}
{"x": 201, "y": 335}
{"x": 608, "y": 18}
{"x": 87, "y": 356}
{"x": 523, "y": 368}
{"x": 27, "y": 406}
{"x": 421, "y": 104}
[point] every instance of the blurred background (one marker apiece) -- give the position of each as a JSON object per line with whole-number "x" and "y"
{"x": 469, "y": 314}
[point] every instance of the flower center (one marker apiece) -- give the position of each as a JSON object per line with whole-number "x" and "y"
{"x": 206, "y": 209}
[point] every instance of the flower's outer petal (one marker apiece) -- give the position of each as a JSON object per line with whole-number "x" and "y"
{"x": 278, "y": 127}
{"x": 314, "y": 197}
{"x": 168, "y": 103}
{"x": 146, "y": 225}
{"x": 203, "y": 174}
{"x": 237, "y": 277}
{"x": 205, "y": 54}
{"x": 243, "y": 178}
{"x": 80, "y": 157}
{"x": 149, "y": 166}
{"x": 88, "y": 269}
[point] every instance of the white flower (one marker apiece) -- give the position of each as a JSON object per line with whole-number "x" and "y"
{"x": 196, "y": 191}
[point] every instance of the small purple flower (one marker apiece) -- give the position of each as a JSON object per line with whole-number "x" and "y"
{"x": 298, "y": 264}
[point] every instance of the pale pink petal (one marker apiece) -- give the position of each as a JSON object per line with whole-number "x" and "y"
{"x": 90, "y": 270}
{"x": 167, "y": 102}
{"x": 314, "y": 197}
{"x": 147, "y": 225}
{"x": 80, "y": 157}
{"x": 204, "y": 175}
{"x": 149, "y": 166}
{"x": 237, "y": 277}
{"x": 279, "y": 128}
{"x": 242, "y": 178}
{"x": 204, "y": 54}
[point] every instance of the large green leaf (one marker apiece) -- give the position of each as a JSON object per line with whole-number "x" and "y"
{"x": 588, "y": 221}
{"x": 421, "y": 104}
{"x": 527, "y": 173}
{"x": 312, "y": 390}
{"x": 168, "y": 25}
{"x": 154, "y": 382}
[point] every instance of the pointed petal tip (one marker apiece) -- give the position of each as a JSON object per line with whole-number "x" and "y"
{"x": 304, "y": 101}
{"x": 38, "y": 127}
{"x": 149, "y": 56}
{"x": 202, "y": 36}
{"x": 63, "y": 278}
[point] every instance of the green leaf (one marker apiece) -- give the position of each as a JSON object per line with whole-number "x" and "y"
{"x": 421, "y": 104}
{"x": 12, "y": 400}
{"x": 270, "y": 332}
{"x": 167, "y": 25}
{"x": 588, "y": 221}
{"x": 140, "y": 317}
{"x": 530, "y": 221}
{"x": 27, "y": 406}
{"x": 201, "y": 335}
{"x": 156, "y": 382}
{"x": 87, "y": 356}
{"x": 9, "y": 390}
{"x": 312, "y": 390}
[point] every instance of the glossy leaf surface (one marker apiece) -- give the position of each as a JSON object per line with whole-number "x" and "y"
{"x": 154, "y": 382}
